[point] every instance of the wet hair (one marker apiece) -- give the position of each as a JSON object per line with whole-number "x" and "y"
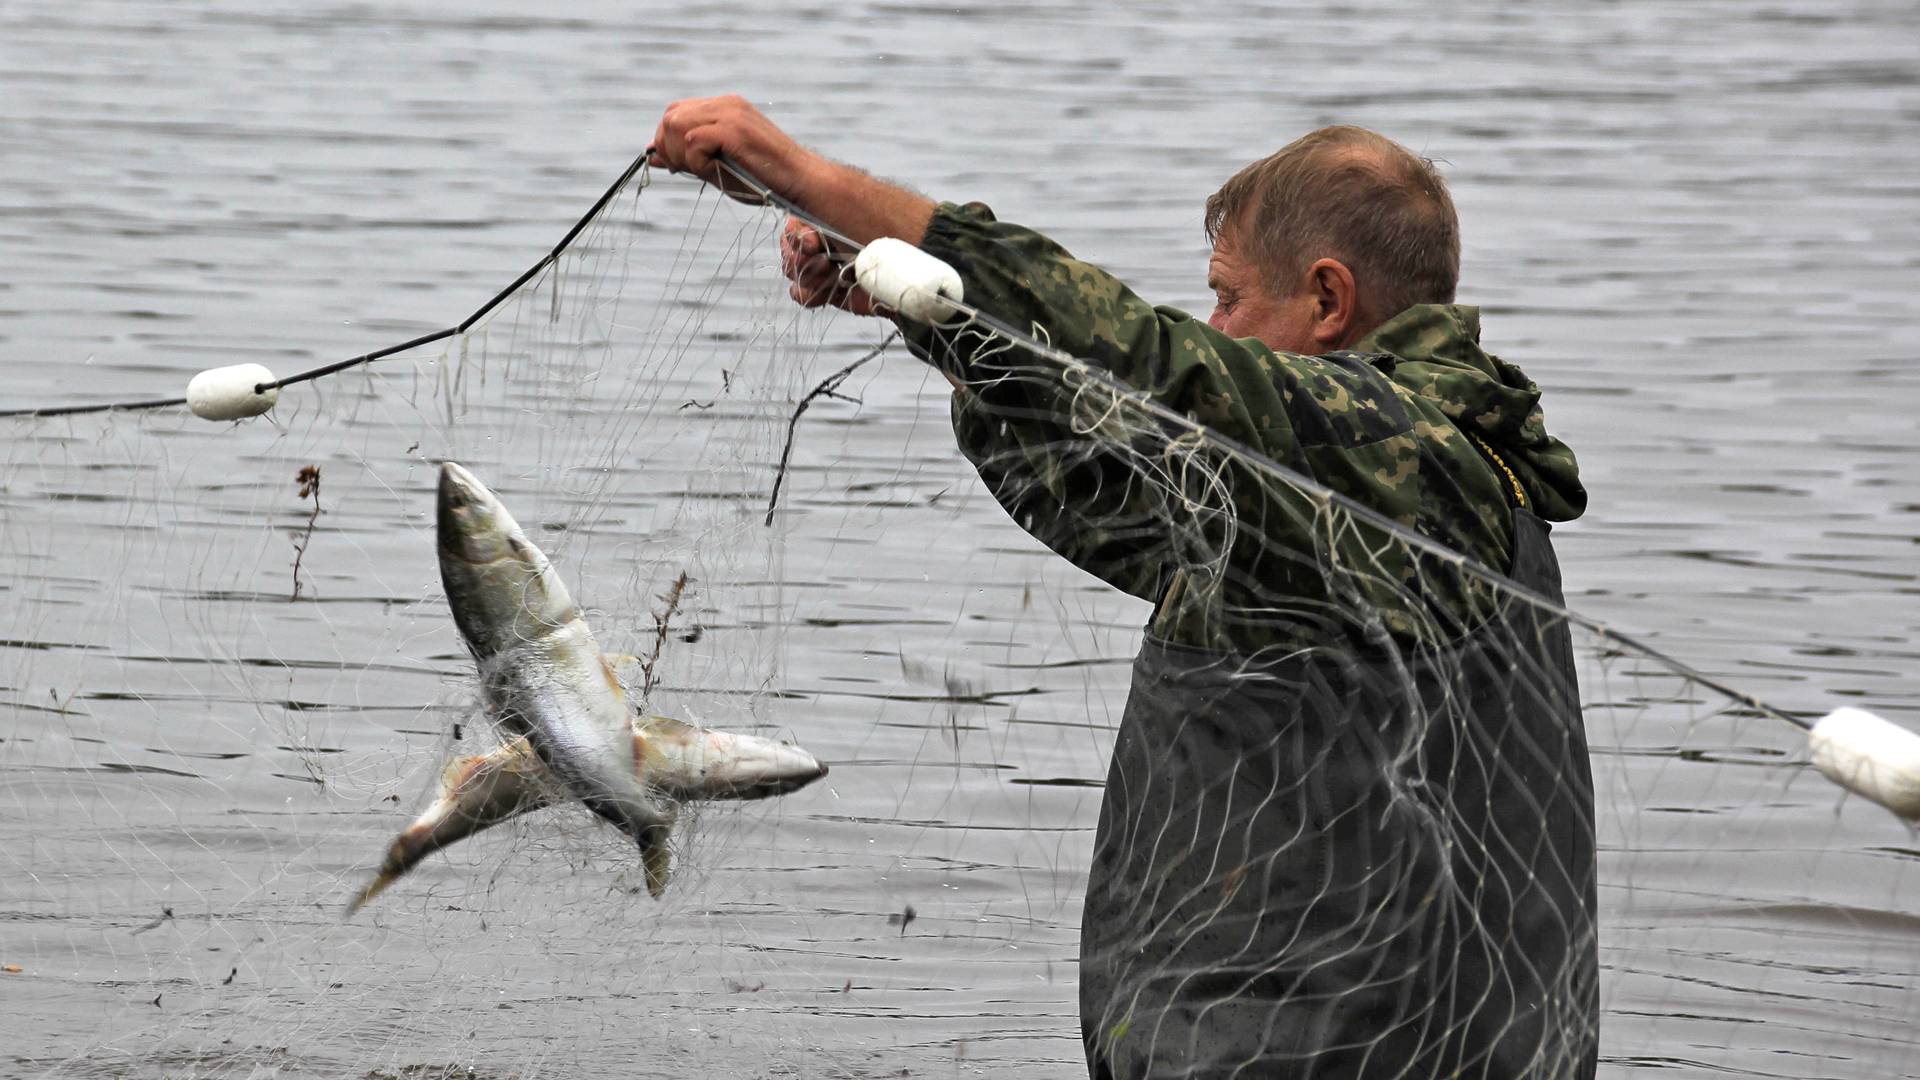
{"x": 1350, "y": 194}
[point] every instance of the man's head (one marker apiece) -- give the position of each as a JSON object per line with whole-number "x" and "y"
{"x": 1322, "y": 242}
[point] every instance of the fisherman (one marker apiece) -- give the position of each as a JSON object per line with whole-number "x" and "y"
{"x": 1338, "y": 838}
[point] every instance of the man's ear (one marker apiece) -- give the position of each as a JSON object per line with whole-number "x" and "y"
{"x": 1335, "y": 303}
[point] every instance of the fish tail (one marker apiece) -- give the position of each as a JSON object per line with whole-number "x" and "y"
{"x": 401, "y": 857}
{"x": 374, "y": 888}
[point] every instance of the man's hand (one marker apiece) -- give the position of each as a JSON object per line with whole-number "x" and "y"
{"x": 694, "y": 134}
{"x": 818, "y": 277}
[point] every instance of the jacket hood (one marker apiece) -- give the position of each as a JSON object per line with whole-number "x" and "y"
{"x": 1434, "y": 350}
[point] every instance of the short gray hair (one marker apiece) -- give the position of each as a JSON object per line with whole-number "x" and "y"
{"x": 1351, "y": 194}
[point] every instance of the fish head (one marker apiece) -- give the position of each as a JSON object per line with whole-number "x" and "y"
{"x": 500, "y": 586}
{"x": 692, "y": 762}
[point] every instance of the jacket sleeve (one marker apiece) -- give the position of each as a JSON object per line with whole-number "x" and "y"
{"x": 1083, "y": 478}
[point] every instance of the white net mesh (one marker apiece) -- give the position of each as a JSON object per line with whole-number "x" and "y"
{"x": 204, "y": 767}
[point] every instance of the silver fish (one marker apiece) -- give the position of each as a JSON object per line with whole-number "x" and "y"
{"x": 546, "y": 682}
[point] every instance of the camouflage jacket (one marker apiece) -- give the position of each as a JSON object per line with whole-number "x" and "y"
{"x": 1416, "y": 422}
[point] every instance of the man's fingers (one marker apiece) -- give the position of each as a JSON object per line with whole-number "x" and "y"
{"x": 800, "y": 238}
{"x": 687, "y": 137}
{"x": 695, "y": 135}
{"x": 705, "y": 147}
{"x": 792, "y": 262}
{"x": 816, "y": 281}
{"x": 817, "y": 278}
{"x": 814, "y": 286}
{"x": 806, "y": 297}
{"x": 670, "y": 141}
{"x": 800, "y": 243}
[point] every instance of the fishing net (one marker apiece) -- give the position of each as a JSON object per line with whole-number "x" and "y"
{"x": 234, "y": 678}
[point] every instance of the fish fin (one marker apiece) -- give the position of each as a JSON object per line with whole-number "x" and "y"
{"x": 612, "y": 677}
{"x": 656, "y": 854}
{"x": 517, "y": 757}
{"x": 459, "y": 771}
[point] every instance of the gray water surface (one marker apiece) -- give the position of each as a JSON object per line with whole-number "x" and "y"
{"x": 1697, "y": 226}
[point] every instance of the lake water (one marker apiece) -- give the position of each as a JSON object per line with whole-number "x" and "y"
{"x": 1697, "y": 226}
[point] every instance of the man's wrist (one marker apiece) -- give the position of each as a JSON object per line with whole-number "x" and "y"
{"x": 816, "y": 180}
{"x": 855, "y": 202}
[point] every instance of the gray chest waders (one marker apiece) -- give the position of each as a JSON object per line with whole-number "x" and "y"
{"x": 1337, "y": 866}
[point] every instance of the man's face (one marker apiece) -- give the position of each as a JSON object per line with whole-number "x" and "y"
{"x": 1249, "y": 304}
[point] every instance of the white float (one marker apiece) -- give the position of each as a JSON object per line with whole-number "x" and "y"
{"x": 1869, "y": 756}
{"x": 908, "y": 280}
{"x": 226, "y": 393}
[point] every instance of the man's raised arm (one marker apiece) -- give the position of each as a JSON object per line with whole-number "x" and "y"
{"x": 694, "y": 133}
{"x": 1076, "y": 491}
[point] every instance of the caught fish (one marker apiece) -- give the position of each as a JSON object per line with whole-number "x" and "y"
{"x": 574, "y": 735}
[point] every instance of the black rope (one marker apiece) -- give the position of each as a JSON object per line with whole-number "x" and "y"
{"x": 75, "y": 410}
{"x": 462, "y": 327}
{"x": 364, "y": 358}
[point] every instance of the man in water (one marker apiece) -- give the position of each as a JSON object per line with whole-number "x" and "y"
{"x": 1348, "y": 826}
